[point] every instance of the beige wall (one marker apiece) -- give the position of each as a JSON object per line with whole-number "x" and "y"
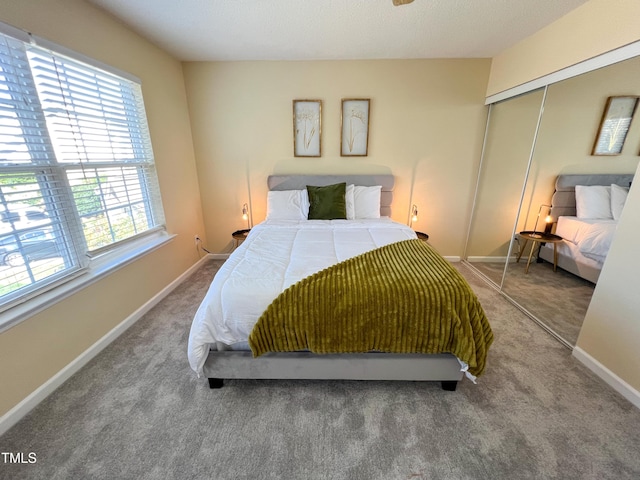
{"x": 512, "y": 127}
{"x": 594, "y": 28}
{"x": 610, "y": 333}
{"x": 36, "y": 349}
{"x": 611, "y": 330}
{"x": 427, "y": 124}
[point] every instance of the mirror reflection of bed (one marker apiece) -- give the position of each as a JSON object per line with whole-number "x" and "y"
{"x": 585, "y": 210}
{"x": 531, "y": 140}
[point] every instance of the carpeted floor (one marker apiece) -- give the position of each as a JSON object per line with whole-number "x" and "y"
{"x": 558, "y": 299}
{"x": 138, "y": 412}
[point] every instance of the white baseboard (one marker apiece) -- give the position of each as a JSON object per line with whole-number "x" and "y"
{"x": 453, "y": 258}
{"x": 218, "y": 256}
{"x": 477, "y": 259}
{"x": 619, "y": 385}
{"x": 14, "y": 415}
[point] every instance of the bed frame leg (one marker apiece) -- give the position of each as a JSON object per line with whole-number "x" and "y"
{"x": 448, "y": 385}
{"x": 219, "y": 382}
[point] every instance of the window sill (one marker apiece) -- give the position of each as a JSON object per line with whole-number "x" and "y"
{"x": 99, "y": 268}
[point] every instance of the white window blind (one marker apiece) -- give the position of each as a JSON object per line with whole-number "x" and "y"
{"x": 77, "y": 174}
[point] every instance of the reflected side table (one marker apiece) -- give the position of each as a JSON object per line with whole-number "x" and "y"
{"x": 538, "y": 238}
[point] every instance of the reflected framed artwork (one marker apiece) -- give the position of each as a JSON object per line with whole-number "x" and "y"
{"x": 615, "y": 123}
{"x": 307, "y": 128}
{"x": 354, "y": 132}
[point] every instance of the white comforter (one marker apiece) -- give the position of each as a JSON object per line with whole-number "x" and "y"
{"x": 592, "y": 236}
{"x": 275, "y": 255}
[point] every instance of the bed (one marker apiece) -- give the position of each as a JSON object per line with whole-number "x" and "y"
{"x": 287, "y": 253}
{"x": 587, "y": 222}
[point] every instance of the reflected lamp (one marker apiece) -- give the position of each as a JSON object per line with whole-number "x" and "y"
{"x": 548, "y": 219}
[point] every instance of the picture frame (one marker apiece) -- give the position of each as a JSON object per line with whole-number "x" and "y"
{"x": 614, "y": 125}
{"x": 354, "y": 127}
{"x": 307, "y": 128}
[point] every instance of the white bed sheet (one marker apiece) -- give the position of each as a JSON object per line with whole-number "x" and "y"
{"x": 592, "y": 237}
{"x": 572, "y": 251}
{"x": 275, "y": 255}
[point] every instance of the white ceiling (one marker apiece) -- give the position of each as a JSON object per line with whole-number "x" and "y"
{"x": 205, "y": 30}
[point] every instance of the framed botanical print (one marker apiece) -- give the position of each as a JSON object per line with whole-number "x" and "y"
{"x": 616, "y": 119}
{"x": 354, "y": 134}
{"x": 307, "y": 128}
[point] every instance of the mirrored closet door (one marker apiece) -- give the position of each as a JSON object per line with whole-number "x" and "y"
{"x": 507, "y": 150}
{"x": 522, "y": 159}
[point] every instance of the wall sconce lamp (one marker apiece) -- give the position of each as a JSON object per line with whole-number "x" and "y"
{"x": 414, "y": 215}
{"x": 245, "y": 214}
{"x": 548, "y": 219}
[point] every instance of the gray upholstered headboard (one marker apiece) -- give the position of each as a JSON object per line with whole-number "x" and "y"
{"x": 564, "y": 198}
{"x": 299, "y": 182}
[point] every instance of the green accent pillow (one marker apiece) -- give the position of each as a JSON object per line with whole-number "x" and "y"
{"x": 327, "y": 203}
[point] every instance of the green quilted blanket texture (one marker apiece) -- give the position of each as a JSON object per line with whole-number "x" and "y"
{"x": 400, "y": 298}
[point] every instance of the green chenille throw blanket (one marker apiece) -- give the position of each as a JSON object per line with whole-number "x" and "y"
{"x": 400, "y": 298}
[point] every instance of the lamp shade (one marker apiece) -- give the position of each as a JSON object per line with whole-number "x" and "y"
{"x": 548, "y": 220}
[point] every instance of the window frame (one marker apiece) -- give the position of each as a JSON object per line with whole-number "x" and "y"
{"x": 88, "y": 265}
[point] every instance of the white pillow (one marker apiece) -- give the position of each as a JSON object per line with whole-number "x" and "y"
{"x": 287, "y": 205}
{"x": 366, "y": 201}
{"x": 618, "y": 198}
{"x": 593, "y": 201}
{"x": 349, "y": 200}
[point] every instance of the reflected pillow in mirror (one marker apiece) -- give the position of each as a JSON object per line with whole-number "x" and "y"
{"x": 593, "y": 201}
{"x": 618, "y": 198}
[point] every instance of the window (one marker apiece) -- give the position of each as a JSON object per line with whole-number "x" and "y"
{"x": 77, "y": 175}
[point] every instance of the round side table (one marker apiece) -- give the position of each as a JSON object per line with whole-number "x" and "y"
{"x": 239, "y": 236}
{"x": 538, "y": 238}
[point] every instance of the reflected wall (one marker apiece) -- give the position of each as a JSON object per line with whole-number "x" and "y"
{"x": 508, "y": 143}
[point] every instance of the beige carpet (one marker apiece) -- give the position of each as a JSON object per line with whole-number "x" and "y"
{"x": 138, "y": 412}
{"x": 559, "y": 299}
